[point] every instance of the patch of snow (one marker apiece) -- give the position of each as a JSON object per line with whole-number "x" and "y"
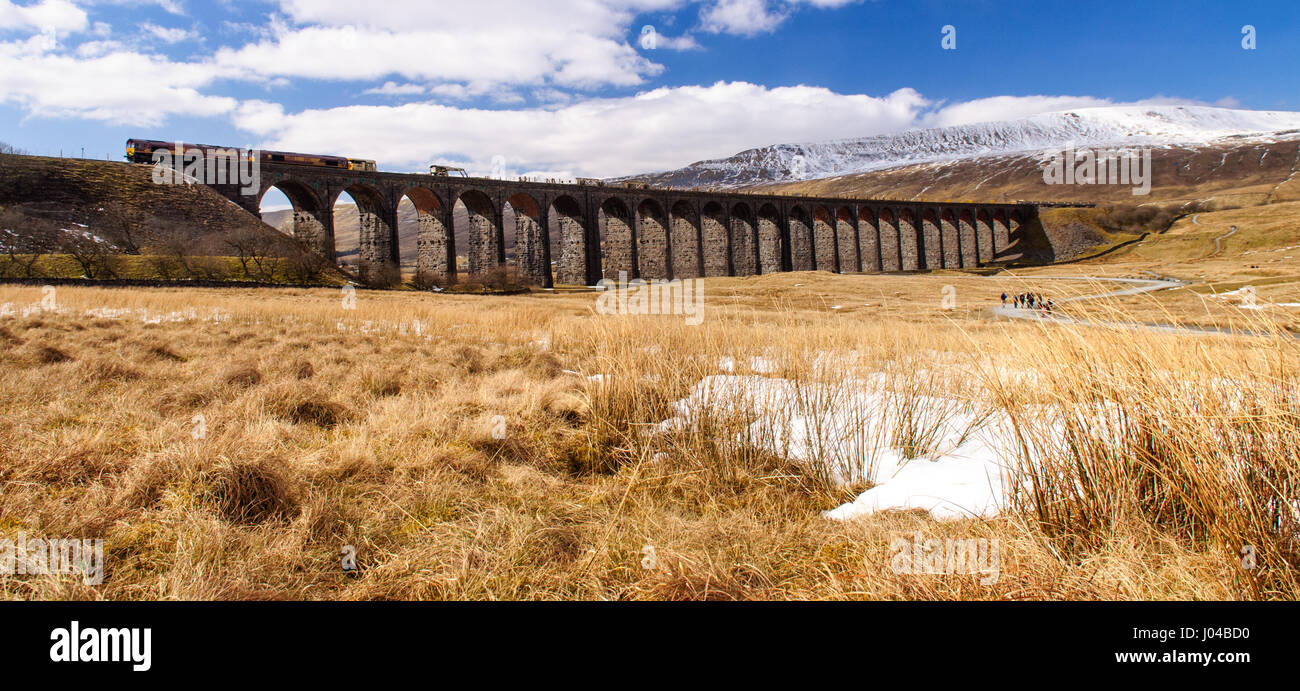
{"x": 847, "y": 429}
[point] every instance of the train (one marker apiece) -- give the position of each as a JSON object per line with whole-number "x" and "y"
{"x": 142, "y": 150}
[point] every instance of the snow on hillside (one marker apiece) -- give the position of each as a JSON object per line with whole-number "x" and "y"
{"x": 1147, "y": 126}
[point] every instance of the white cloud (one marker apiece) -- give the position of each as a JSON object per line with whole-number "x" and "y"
{"x": 506, "y": 54}
{"x": 170, "y": 6}
{"x": 655, "y": 130}
{"x": 395, "y": 89}
{"x": 684, "y": 42}
{"x": 753, "y": 17}
{"x": 568, "y": 44}
{"x": 1015, "y": 107}
{"x": 170, "y": 35}
{"x": 1006, "y": 108}
{"x": 743, "y": 17}
{"x": 582, "y": 44}
{"x": 104, "y": 83}
{"x": 44, "y": 16}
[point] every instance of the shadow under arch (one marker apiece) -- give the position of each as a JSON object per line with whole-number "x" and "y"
{"x": 435, "y": 255}
{"x": 484, "y": 247}
{"x": 311, "y": 221}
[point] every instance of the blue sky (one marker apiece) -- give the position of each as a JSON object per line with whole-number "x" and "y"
{"x": 568, "y": 87}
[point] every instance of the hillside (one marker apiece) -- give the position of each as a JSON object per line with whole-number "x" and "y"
{"x": 119, "y": 204}
{"x": 1131, "y": 126}
{"x": 1232, "y": 172}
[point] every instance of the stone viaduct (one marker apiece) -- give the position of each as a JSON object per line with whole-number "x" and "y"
{"x": 589, "y": 231}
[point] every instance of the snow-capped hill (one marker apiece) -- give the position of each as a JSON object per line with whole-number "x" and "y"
{"x": 1146, "y": 126}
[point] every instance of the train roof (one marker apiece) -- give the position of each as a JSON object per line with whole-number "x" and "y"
{"x": 159, "y": 144}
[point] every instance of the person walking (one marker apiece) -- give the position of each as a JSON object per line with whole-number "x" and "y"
{"x": 1004, "y": 298}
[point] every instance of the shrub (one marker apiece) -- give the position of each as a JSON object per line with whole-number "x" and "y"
{"x": 250, "y": 492}
{"x": 427, "y": 280}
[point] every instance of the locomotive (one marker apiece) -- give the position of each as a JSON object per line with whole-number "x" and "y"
{"x": 141, "y": 151}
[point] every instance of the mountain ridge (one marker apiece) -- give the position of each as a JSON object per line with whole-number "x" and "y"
{"x": 1109, "y": 126}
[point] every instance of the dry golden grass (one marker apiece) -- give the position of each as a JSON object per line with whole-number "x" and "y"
{"x": 324, "y": 427}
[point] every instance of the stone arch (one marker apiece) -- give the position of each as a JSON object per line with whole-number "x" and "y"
{"x": 377, "y": 230}
{"x": 684, "y": 241}
{"x": 969, "y": 241}
{"x": 1001, "y": 236}
{"x": 984, "y": 236}
{"x": 568, "y": 235}
{"x": 801, "y": 240}
{"x": 931, "y": 241}
{"x": 911, "y": 246}
{"x": 484, "y": 245}
{"x": 652, "y": 236}
{"x": 744, "y": 241}
{"x": 890, "y": 246}
{"x": 770, "y": 249}
{"x": 716, "y": 248}
{"x": 824, "y": 254}
{"x": 868, "y": 240}
{"x": 313, "y": 222}
{"x": 950, "y": 239}
{"x": 618, "y": 240}
{"x": 531, "y": 248}
{"x": 435, "y": 248}
{"x": 846, "y": 239}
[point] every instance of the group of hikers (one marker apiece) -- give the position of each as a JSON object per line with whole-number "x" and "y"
{"x": 1028, "y": 301}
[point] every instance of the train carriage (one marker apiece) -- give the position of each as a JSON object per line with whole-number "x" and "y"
{"x": 142, "y": 151}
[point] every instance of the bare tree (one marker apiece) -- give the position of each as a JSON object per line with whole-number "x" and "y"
{"x": 93, "y": 254}
{"x": 252, "y": 246}
{"x": 122, "y": 223}
{"x": 173, "y": 254}
{"x": 8, "y": 149}
{"x": 26, "y": 241}
{"x": 304, "y": 264}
